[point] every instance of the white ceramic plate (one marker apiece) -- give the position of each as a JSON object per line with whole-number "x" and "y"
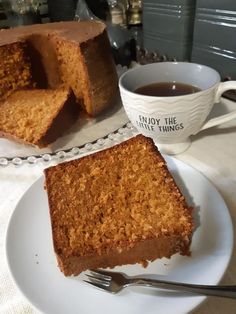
{"x": 33, "y": 265}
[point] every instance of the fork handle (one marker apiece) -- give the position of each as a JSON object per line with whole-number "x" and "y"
{"x": 219, "y": 291}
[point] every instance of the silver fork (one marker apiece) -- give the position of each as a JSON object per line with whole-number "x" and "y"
{"x": 114, "y": 282}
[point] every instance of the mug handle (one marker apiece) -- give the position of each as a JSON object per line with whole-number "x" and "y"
{"x": 223, "y": 87}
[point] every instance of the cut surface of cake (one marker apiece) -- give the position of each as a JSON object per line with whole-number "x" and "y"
{"x": 37, "y": 117}
{"x": 73, "y": 54}
{"x": 115, "y": 207}
{"x": 15, "y": 68}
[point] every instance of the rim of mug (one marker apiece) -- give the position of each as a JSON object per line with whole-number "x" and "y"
{"x": 167, "y": 62}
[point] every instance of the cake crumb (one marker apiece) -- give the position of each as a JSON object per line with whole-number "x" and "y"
{"x": 121, "y": 215}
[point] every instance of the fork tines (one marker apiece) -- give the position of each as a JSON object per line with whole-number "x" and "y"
{"x": 98, "y": 279}
{"x": 101, "y": 273}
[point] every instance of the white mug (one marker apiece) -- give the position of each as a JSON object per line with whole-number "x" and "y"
{"x": 171, "y": 120}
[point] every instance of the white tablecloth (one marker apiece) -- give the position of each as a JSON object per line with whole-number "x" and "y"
{"x": 213, "y": 153}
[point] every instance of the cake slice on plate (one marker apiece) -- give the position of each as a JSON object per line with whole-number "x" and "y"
{"x": 117, "y": 206}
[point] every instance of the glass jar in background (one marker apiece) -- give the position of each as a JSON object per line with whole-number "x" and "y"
{"x": 21, "y": 12}
{"x": 135, "y": 21}
{"x": 83, "y": 12}
{"x": 117, "y": 14}
{"x": 121, "y": 40}
{"x": 99, "y": 8}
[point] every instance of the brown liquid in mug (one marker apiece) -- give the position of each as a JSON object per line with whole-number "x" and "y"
{"x": 167, "y": 89}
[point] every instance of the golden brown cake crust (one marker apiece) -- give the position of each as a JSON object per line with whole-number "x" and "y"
{"x": 118, "y": 206}
{"x": 67, "y": 30}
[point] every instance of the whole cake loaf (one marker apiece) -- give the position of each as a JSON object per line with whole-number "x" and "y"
{"x": 73, "y": 54}
{"x": 117, "y": 206}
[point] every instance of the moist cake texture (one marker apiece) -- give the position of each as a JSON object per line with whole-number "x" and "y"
{"x": 115, "y": 207}
{"x": 15, "y": 68}
{"x": 37, "y": 117}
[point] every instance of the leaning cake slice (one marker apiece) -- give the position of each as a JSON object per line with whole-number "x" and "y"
{"x": 37, "y": 117}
